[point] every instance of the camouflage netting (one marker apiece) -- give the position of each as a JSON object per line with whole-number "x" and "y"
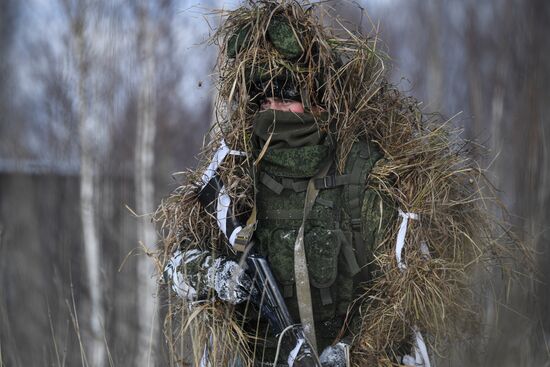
{"x": 426, "y": 170}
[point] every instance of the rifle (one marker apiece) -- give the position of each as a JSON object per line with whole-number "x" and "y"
{"x": 267, "y": 296}
{"x": 272, "y": 306}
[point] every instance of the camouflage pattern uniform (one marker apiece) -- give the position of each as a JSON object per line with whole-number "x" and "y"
{"x": 342, "y": 230}
{"x": 344, "y": 227}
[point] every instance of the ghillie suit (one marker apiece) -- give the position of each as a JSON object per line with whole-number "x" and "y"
{"x": 395, "y": 231}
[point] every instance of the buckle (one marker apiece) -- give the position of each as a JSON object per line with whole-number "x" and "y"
{"x": 243, "y": 237}
{"x": 329, "y": 181}
{"x": 356, "y": 223}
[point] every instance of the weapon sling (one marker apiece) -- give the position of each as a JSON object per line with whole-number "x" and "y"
{"x": 301, "y": 274}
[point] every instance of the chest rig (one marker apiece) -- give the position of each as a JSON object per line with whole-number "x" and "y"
{"x": 336, "y": 252}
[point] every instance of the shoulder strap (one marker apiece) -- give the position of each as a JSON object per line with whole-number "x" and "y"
{"x": 301, "y": 273}
{"x": 359, "y": 164}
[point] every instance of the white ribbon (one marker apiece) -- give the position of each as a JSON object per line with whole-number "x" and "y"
{"x": 224, "y": 201}
{"x": 294, "y": 352}
{"x": 222, "y": 207}
{"x": 205, "y": 362}
{"x": 421, "y": 357}
{"x": 218, "y": 158}
{"x": 179, "y": 285}
{"x": 400, "y": 244}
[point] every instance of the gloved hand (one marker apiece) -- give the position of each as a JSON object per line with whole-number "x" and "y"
{"x": 192, "y": 272}
{"x": 229, "y": 280}
{"x": 335, "y": 355}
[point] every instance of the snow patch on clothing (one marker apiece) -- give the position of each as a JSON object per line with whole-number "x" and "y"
{"x": 228, "y": 280}
{"x": 334, "y": 355}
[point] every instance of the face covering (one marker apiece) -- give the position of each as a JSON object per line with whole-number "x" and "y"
{"x": 288, "y": 129}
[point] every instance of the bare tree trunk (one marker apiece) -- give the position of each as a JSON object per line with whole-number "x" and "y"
{"x": 435, "y": 62}
{"x": 96, "y": 346}
{"x": 218, "y": 108}
{"x": 474, "y": 77}
{"x": 144, "y": 159}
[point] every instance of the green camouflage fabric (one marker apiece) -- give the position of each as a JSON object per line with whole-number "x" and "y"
{"x": 340, "y": 233}
{"x": 283, "y": 37}
{"x": 237, "y": 42}
{"x": 280, "y": 34}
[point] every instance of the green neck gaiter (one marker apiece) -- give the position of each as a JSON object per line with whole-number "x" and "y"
{"x": 289, "y": 129}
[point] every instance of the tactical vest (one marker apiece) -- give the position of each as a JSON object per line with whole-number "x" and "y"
{"x": 335, "y": 248}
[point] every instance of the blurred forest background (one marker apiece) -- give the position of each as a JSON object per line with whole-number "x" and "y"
{"x": 101, "y": 101}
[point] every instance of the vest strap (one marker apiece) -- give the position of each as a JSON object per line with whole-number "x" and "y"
{"x": 328, "y": 182}
{"x": 325, "y": 203}
{"x": 297, "y": 214}
{"x": 349, "y": 255}
{"x": 354, "y": 196}
{"x": 271, "y": 183}
{"x": 356, "y": 202}
{"x": 296, "y": 185}
{"x": 287, "y": 183}
{"x": 356, "y": 224}
{"x": 362, "y": 253}
{"x": 288, "y": 290}
{"x": 326, "y": 297}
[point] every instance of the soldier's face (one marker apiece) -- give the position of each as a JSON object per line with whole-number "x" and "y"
{"x": 281, "y": 105}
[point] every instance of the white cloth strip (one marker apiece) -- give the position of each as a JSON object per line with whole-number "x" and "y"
{"x": 218, "y": 158}
{"x": 400, "y": 244}
{"x": 420, "y": 350}
{"x": 233, "y": 236}
{"x": 205, "y": 359}
{"x": 294, "y": 352}
{"x": 408, "y": 360}
{"x": 222, "y": 207}
{"x": 224, "y": 201}
{"x": 179, "y": 285}
{"x": 424, "y": 250}
{"x": 421, "y": 357}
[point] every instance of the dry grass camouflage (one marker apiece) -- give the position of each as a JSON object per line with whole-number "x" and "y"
{"x": 427, "y": 169}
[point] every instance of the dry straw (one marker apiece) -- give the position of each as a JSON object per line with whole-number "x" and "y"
{"x": 426, "y": 170}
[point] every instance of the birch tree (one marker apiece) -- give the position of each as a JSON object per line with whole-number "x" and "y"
{"x": 78, "y": 12}
{"x": 144, "y": 160}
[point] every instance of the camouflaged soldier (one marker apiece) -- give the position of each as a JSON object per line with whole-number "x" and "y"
{"x": 344, "y": 225}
